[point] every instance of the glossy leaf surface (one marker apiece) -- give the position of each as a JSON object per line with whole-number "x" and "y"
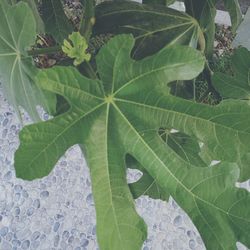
{"x": 124, "y": 117}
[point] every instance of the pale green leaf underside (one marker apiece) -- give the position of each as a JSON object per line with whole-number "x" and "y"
{"x": 18, "y": 33}
{"x": 124, "y": 117}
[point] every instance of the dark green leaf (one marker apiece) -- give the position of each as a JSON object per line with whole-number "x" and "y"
{"x": 186, "y": 147}
{"x": 55, "y": 20}
{"x": 152, "y": 26}
{"x": 238, "y": 85}
{"x": 204, "y": 11}
{"x": 163, "y": 2}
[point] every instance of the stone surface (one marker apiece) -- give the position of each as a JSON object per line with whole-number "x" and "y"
{"x": 57, "y": 212}
{"x": 243, "y": 33}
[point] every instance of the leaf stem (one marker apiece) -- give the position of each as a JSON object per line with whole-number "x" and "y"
{"x": 47, "y": 50}
{"x": 208, "y": 73}
{"x": 201, "y": 41}
{"x": 88, "y": 19}
{"x": 88, "y": 70}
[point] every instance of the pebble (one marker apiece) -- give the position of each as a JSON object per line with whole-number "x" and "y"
{"x": 71, "y": 239}
{"x": 44, "y": 194}
{"x": 35, "y": 236}
{"x": 65, "y": 235}
{"x": 35, "y": 244}
{"x": 56, "y": 240}
{"x": 36, "y": 203}
{"x": 56, "y": 226}
{"x": 89, "y": 199}
{"x": 17, "y": 211}
{"x": 25, "y": 245}
{"x": 23, "y": 234}
{"x": 16, "y": 243}
{"x": 192, "y": 244}
{"x": 177, "y": 221}
{"x": 7, "y": 176}
{"x": 6, "y": 245}
{"x": 18, "y": 188}
{"x": 84, "y": 242}
{"x": 4, "y": 231}
{"x": 30, "y": 211}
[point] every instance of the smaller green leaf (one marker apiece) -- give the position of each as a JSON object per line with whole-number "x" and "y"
{"x": 234, "y": 10}
{"x": 77, "y": 48}
{"x": 238, "y": 85}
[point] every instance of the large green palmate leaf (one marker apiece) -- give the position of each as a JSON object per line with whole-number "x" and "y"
{"x": 17, "y": 34}
{"x": 55, "y": 20}
{"x": 124, "y": 116}
{"x": 152, "y": 26}
{"x": 238, "y": 85}
{"x": 205, "y": 11}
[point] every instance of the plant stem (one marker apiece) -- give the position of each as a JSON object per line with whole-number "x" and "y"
{"x": 201, "y": 41}
{"x": 88, "y": 19}
{"x": 89, "y": 70}
{"x": 41, "y": 51}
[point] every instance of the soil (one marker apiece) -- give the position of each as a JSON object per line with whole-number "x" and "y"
{"x": 244, "y": 4}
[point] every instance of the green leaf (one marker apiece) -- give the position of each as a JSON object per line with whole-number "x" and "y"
{"x": 124, "y": 119}
{"x": 234, "y": 10}
{"x": 39, "y": 22}
{"x": 238, "y": 85}
{"x": 186, "y": 147}
{"x": 17, "y": 34}
{"x": 204, "y": 11}
{"x": 55, "y": 20}
{"x": 76, "y": 48}
{"x": 163, "y": 2}
{"x": 152, "y": 26}
{"x": 146, "y": 185}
